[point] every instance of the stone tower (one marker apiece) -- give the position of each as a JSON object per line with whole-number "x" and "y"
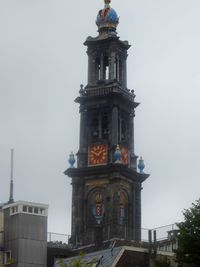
{"x": 106, "y": 196}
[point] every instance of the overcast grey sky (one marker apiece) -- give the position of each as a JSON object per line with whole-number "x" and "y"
{"x": 42, "y": 64}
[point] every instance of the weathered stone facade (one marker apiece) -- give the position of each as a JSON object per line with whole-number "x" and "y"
{"x": 106, "y": 198}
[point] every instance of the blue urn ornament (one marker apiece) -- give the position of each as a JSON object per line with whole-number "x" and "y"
{"x": 117, "y": 155}
{"x": 141, "y": 165}
{"x": 71, "y": 160}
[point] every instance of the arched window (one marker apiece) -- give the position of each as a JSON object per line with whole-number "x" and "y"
{"x": 97, "y": 69}
{"x": 122, "y": 208}
{"x": 123, "y": 127}
{"x": 104, "y": 127}
{"x": 99, "y": 125}
{"x": 120, "y": 71}
{"x": 105, "y": 68}
{"x": 95, "y": 127}
{"x": 123, "y": 130}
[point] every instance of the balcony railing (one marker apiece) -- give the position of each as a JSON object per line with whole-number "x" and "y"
{"x": 157, "y": 236}
{"x": 58, "y": 240}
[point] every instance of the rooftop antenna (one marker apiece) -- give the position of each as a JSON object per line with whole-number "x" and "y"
{"x": 11, "y": 199}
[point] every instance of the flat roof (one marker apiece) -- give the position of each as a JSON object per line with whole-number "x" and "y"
{"x": 25, "y": 203}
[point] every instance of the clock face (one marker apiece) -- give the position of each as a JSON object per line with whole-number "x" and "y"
{"x": 124, "y": 155}
{"x": 98, "y": 154}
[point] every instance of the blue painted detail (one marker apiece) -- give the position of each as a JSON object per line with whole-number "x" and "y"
{"x": 117, "y": 154}
{"x": 71, "y": 160}
{"x": 141, "y": 165}
{"x": 122, "y": 216}
{"x": 112, "y": 16}
{"x": 107, "y": 17}
{"x": 98, "y": 217}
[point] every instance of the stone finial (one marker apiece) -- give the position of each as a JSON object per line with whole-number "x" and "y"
{"x": 71, "y": 160}
{"x": 107, "y": 3}
{"x": 141, "y": 165}
{"x": 81, "y": 91}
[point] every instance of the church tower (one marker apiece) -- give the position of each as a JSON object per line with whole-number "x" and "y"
{"x": 106, "y": 187}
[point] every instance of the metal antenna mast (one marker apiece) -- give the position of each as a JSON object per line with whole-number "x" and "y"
{"x": 11, "y": 199}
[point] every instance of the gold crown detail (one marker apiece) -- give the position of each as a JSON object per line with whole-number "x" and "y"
{"x": 98, "y": 198}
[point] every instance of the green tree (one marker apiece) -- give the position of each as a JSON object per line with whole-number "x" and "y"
{"x": 161, "y": 261}
{"x": 77, "y": 262}
{"x": 188, "y": 252}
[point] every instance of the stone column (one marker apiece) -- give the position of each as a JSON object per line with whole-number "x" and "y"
{"x": 117, "y": 66}
{"x": 96, "y": 70}
{"x": 77, "y": 210}
{"x": 114, "y": 133}
{"x": 100, "y": 126}
{"x": 101, "y": 68}
{"x": 133, "y": 158}
{"x": 131, "y": 138}
{"x": 112, "y": 63}
{"x": 82, "y": 154}
{"x": 74, "y": 210}
{"x": 90, "y": 68}
{"x": 115, "y": 216}
{"x": 82, "y": 138}
{"x": 137, "y": 227}
{"x": 124, "y": 73}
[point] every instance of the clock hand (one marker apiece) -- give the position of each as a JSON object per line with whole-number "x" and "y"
{"x": 94, "y": 153}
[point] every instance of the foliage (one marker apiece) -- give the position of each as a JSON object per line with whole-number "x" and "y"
{"x": 161, "y": 261}
{"x": 9, "y": 262}
{"x": 78, "y": 262}
{"x": 188, "y": 252}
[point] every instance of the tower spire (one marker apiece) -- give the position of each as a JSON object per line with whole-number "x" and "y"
{"x": 107, "y": 2}
{"x": 11, "y": 199}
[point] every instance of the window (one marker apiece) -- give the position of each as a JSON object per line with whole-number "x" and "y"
{"x": 122, "y": 208}
{"x": 97, "y": 67}
{"x": 13, "y": 210}
{"x": 123, "y": 127}
{"x": 105, "y": 126}
{"x": 24, "y": 208}
{"x": 95, "y": 127}
{"x": 36, "y": 210}
{"x": 7, "y": 257}
{"x": 30, "y": 209}
{"x": 42, "y": 211}
{"x": 102, "y": 68}
{"x": 107, "y": 73}
{"x": 105, "y": 68}
{"x": 99, "y": 124}
{"x": 123, "y": 130}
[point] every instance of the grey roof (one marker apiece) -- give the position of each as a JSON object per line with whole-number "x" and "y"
{"x": 102, "y": 258}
